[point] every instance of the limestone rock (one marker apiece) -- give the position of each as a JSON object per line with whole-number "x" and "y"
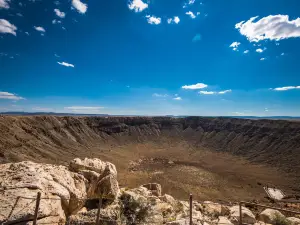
{"x": 268, "y": 215}
{"x": 63, "y": 191}
{"x": 26, "y": 179}
{"x": 102, "y": 177}
{"x": 154, "y": 188}
{"x": 293, "y": 220}
{"x": 247, "y": 216}
{"x": 224, "y": 220}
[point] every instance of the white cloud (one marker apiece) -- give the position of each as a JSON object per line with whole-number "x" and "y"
{"x": 194, "y": 86}
{"x": 277, "y": 43}
{"x": 262, "y": 59}
{"x": 191, "y": 2}
{"x": 81, "y": 7}
{"x": 153, "y": 20}
{"x": 234, "y": 45}
{"x": 7, "y": 27}
{"x": 137, "y": 5}
{"x": 59, "y": 13}
{"x": 266, "y": 110}
{"x": 27, "y": 33}
{"x": 175, "y": 20}
{"x": 55, "y": 21}
{"x": 246, "y": 51}
{"x": 224, "y": 92}
{"x": 177, "y": 98}
{"x": 191, "y": 14}
{"x": 273, "y": 27}
{"x": 66, "y": 64}
{"x": 207, "y": 92}
{"x": 282, "y": 54}
{"x": 285, "y": 88}
{"x": 56, "y": 55}
{"x": 4, "y": 4}
{"x": 259, "y": 50}
{"x": 198, "y": 13}
{"x": 10, "y": 96}
{"x": 215, "y": 93}
{"x": 159, "y": 95}
{"x": 40, "y": 29}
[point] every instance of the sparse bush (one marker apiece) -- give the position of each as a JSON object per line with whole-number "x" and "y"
{"x": 280, "y": 220}
{"x": 134, "y": 210}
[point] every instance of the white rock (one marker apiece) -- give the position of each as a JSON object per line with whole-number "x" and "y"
{"x": 268, "y": 215}
{"x": 293, "y": 220}
{"x": 247, "y": 216}
{"x": 224, "y": 220}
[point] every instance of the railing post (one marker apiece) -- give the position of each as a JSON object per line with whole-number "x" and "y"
{"x": 241, "y": 214}
{"x": 98, "y": 212}
{"x": 37, "y": 205}
{"x": 191, "y": 209}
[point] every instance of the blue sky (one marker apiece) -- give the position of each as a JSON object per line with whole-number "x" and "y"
{"x": 155, "y": 57}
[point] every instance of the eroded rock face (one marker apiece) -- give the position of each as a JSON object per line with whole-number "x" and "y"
{"x": 63, "y": 192}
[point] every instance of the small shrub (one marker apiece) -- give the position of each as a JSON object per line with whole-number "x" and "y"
{"x": 134, "y": 211}
{"x": 280, "y": 220}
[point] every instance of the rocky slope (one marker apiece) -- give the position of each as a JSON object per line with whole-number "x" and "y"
{"x": 48, "y": 138}
{"x": 69, "y": 195}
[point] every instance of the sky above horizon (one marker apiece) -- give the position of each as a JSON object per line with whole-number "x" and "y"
{"x": 155, "y": 57}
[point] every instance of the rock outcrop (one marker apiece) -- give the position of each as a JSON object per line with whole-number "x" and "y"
{"x": 63, "y": 191}
{"x": 70, "y": 195}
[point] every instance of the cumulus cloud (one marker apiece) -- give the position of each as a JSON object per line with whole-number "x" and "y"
{"x": 177, "y": 98}
{"x": 191, "y": 14}
{"x": 285, "y": 88}
{"x": 7, "y": 27}
{"x": 262, "y": 59}
{"x": 159, "y": 95}
{"x": 4, "y": 4}
{"x": 191, "y": 2}
{"x": 173, "y": 20}
{"x": 273, "y": 27}
{"x": 81, "y": 7}
{"x": 10, "y": 96}
{"x": 195, "y": 86}
{"x": 66, "y": 64}
{"x": 59, "y": 13}
{"x": 137, "y": 5}
{"x": 246, "y": 51}
{"x": 234, "y": 45}
{"x": 40, "y": 29}
{"x": 153, "y": 20}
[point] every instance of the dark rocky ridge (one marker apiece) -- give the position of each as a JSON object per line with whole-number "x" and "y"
{"x": 54, "y": 138}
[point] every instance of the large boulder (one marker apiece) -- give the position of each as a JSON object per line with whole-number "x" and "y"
{"x": 63, "y": 192}
{"x": 247, "y": 216}
{"x": 269, "y": 215}
{"x": 102, "y": 177}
